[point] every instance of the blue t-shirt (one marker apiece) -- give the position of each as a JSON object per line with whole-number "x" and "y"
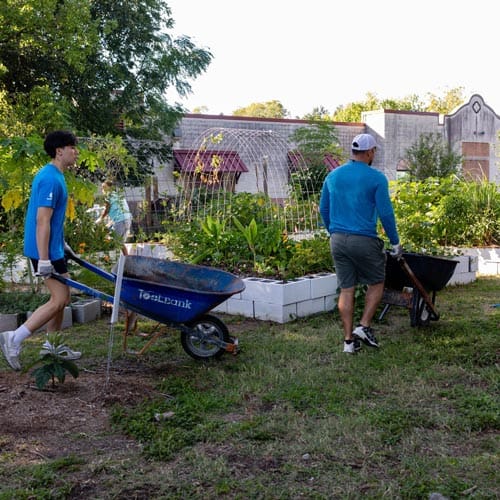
{"x": 47, "y": 190}
{"x": 353, "y": 197}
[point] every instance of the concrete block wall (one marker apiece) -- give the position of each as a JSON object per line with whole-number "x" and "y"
{"x": 281, "y": 302}
{"x": 278, "y": 301}
{"x": 485, "y": 259}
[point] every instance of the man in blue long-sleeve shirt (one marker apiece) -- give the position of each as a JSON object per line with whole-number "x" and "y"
{"x": 353, "y": 198}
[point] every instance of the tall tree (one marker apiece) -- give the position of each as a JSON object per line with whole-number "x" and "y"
{"x": 269, "y": 109}
{"x": 106, "y": 61}
{"x": 317, "y": 146}
{"x": 318, "y": 113}
{"x": 447, "y": 103}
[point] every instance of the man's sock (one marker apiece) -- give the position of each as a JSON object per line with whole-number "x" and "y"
{"x": 20, "y": 334}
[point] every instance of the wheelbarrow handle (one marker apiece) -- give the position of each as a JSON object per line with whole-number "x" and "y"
{"x": 416, "y": 282}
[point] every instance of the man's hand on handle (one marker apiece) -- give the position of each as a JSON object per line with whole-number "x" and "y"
{"x": 397, "y": 251}
{"x": 45, "y": 269}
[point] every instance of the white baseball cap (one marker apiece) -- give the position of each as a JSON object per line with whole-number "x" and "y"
{"x": 363, "y": 142}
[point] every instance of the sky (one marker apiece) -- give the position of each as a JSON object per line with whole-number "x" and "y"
{"x": 311, "y": 53}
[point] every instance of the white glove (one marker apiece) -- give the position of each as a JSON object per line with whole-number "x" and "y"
{"x": 45, "y": 268}
{"x": 397, "y": 251}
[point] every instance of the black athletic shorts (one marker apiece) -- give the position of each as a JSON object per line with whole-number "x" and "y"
{"x": 60, "y": 265}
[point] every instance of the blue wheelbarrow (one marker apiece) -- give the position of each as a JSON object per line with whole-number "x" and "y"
{"x": 176, "y": 294}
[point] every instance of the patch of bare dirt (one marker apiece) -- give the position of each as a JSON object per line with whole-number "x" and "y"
{"x": 72, "y": 419}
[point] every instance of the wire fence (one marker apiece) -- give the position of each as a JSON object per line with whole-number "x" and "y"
{"x": 163, "y": 184}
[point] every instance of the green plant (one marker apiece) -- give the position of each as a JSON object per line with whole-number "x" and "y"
{"x": 311, "y": 255}
{"x": 315, "y": 142}
{"x": 437, "y": 212}
{"x": 431, "y": 156}
{"x": 16, "y": 301}
{"x": 249, "y": 235}
{"x": 54, "y": 363}
{"x": 469, "y": 215}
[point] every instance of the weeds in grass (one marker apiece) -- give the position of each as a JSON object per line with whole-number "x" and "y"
{"x": 294, "y": 417}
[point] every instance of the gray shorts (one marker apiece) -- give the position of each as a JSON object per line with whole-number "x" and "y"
{"x": 357, "y": 259}
{"x": 122, "y": 228}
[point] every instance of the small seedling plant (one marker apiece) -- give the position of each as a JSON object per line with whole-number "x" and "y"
{"x": 54, "y": 363}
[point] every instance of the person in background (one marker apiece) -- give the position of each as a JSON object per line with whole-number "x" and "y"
{"x": 44, "y": 244}
{"x": 116, "y": 209}
{"x": 353, "y": 197}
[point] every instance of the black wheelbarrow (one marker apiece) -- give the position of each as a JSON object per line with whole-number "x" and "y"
{"x": 412, "y": 282}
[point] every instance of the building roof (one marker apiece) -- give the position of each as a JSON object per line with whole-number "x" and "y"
{"x": 193, "y": 160}
{"x": 296, "y": 159}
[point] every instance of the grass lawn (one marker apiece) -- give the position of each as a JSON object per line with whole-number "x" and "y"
{"x": 291, "y": 416}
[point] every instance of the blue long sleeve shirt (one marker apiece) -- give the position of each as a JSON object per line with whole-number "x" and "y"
{"x": 353, "y": 197}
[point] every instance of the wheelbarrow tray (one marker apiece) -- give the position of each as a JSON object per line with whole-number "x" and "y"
{"x": 174, "y": 291}
{"x": 432, "y": 272}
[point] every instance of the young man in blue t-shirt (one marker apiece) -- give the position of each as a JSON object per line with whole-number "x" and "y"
{"x": 44, "y": 244}
{"x": 353, "y": 198}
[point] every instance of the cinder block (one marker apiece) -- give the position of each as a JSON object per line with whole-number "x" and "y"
{"x": 275, "y": 312}
{"x": 323, "y": 284}
{"x": 11, "y": 321}
{"x": 221, "y": 308}
{"x": 462, "y": 278}
{"x": 277, "y": 292}
{"x": 309, "y": 307}
{"x": 331, "y": 302}
{"x": 86, "y": 310}
{"x": 256, "y": 288}
{"x": 473, "y": 264}
{"x": 463, "y": 264}
{"x": 241, "y": 307}
{"x": 490, "y": 268}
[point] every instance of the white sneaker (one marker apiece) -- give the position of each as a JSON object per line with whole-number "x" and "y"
{"x": 10, "y": 352}
{"x": 352, "y": 347}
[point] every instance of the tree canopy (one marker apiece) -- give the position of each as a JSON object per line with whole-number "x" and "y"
{"x": 432, "y": 103}
{"x": 269, "y": 109}
{"x": 93, "y": 64}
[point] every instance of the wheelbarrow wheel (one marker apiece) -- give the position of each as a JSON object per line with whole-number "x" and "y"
{"x": 202, "y": 338}
{"x": 419, "y": 313}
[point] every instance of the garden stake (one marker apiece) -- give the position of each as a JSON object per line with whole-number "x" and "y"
{"x": 114, "y": 313}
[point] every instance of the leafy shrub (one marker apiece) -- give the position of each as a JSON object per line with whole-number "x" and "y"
{"x": 247, "y": 243}
{"x": 311, "y": 256}
{"x": 440, "y": 212}
{"x": 430, "y": 156}
{"x": 15, "y": 302}
{"x": 469, "y": 215}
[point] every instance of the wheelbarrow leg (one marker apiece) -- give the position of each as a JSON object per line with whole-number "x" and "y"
{"x": 420, "y": 288}
{"x": 153, "y": 339}
{"x": 385, "y": 310}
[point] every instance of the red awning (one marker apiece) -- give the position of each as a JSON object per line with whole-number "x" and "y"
{"x": 296, "y": 158}
{"x": 191, "y": 160}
